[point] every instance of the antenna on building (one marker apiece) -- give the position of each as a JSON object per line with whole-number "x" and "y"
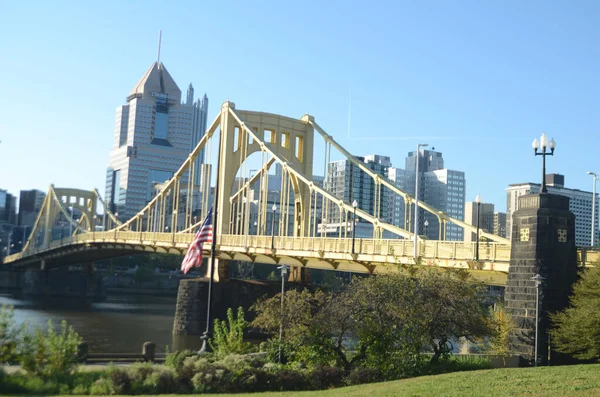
{"x": 349, "y": 112}
{"x": 159, "y": 41}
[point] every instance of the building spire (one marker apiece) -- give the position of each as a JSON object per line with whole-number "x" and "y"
{"x": 190, "y": 95}
{"x": 159, "y": 42}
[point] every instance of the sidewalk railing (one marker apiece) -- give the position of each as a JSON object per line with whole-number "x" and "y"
{"x": 148, "y": 354}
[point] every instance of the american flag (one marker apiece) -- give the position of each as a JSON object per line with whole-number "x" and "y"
{"x": 194, "y": 254}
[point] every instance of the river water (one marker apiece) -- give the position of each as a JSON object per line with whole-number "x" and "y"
{"x": 121, "y": 324}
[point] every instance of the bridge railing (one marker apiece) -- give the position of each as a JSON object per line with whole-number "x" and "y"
{"x": 429, "y": 249}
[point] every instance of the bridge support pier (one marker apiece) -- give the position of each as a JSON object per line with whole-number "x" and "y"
{"x": 543, "y": 242}
{"x": 190, "y": 313}
{"x": 299, "y": 275}
{"x": 221, "y": 270}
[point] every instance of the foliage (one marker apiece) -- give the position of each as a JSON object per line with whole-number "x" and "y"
{"x": 228, "y": 336}
{"x": 102, "y": 387}
{"x": 145, "y": 273}
{"x": 362, "y": 375}
{"x": 175, "y": 360}
{"x": 459, "y": 364}
{"x": 542, "y": 381}
{"x": 503, "y": 327}
{"x": 381, "y": 323}
{"x": 449, "y": 306}
{"x": 11, "y": 335}
{"x": 78, "y": 383}
{"x": 119, "y": 378}
{"x": 577, "y": 329}
{"x": 300, "y": 309}
{"x": 161, "y": 381}
{"x": 51, "y": 353}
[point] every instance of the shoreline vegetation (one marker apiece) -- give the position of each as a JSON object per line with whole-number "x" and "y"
{"x": 389, "y": 334}
{"x": 574, "y": 380}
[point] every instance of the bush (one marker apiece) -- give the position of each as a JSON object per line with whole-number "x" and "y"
{"x": 11, "y": 336}
{"x": 361, "y": 375}
{"x": 119, "y": 378}
{"x": 175, "y": 360}
{"x": 292, "y": 380}
{"x": 51, "y": 354}
{"x": 81, "y": 390}
{"x": 326, "y": 377}
{"x": 102, "y": 387}
{"x": 228, "y": 336}
{"x": 456, "y": 364}
{"x": 161, "y": 381}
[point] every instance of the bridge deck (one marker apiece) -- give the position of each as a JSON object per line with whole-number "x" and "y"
{"x": 370, "y": 256}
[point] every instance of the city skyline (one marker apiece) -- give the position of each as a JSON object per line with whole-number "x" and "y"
{"x": 154, "y": 134}
{"x": 480, "y": 108}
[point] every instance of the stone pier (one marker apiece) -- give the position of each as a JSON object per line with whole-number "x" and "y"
{"x": 60, "y": 282}
{"x": 543, "y": 242}
{"x": 190, "y": 313}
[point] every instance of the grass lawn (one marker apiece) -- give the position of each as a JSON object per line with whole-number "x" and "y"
{"x": 578, "y": 380}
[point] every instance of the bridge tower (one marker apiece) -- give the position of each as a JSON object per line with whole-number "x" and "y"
{"x": 243, "y": 133}
{"x": 543, "y": 242}
{"x": 290, "y": 139}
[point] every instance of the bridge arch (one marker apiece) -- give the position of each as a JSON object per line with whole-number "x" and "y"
{"x": 291, "y": 141}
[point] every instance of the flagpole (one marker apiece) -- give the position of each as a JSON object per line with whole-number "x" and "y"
{"x": 205, "y": 347}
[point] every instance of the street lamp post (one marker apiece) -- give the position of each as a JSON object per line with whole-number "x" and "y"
{"x": 284, "y": 270}
{"x": 71, "y": 223}
{"x": 418, "y": 154}
{"x": 478, "y": 201}
{"x": 538, "y": 281}
{"x": 543, "y": 142}
{"x": 593, "y": 239}
{"x": 8, "y": 245}
{"x": 354, "y": 205}
{"x": 117, "y": 217}
{"x": 256, "y": 228}
{"x": 426, "y": 224}
{"x": 274, "y": 208}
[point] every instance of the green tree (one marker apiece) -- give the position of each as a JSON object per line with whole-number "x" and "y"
{"x": 299, "y": 312}
{"x": 577, "y": 328}
{"x": 379, "y": 322}
{"x": 502, "y": 325}
{"x": 450, "y": 307}
{"x": 51, "y": 353}
{"x": 11, "y": 335}
{"x": 228, "y": 336}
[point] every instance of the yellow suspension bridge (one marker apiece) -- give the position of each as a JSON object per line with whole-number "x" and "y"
{"x": 301, "y": 239}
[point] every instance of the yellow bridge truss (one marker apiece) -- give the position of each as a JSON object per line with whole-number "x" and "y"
{"x": 168, "y": 221}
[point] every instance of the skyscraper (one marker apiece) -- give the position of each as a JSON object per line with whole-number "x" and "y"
{"x": 486, "y": 218}
{"x": 8, "y": 206}
{"x": 348, "y": 182}
{"x": 397, "y": 176}
{"x": 200, "y": 109}
{"x": 439, "y": 187}
{"x": 445, "y": 190}
{"x": 580, "y": 204}
{"x": 500, "y": 224}
{"x": 30, "y": 204}
{"x": 154, "y": 134}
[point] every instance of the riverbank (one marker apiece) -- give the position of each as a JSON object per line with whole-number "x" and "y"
{"x": 575, "y": 380}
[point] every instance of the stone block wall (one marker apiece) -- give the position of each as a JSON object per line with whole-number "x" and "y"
{"x": 543, "y": 242}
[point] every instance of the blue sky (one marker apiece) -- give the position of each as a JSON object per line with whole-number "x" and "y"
{"x": 479, "y": 80}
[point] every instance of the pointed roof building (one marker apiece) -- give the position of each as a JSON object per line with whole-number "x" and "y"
{"x": 156, "y": 80}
